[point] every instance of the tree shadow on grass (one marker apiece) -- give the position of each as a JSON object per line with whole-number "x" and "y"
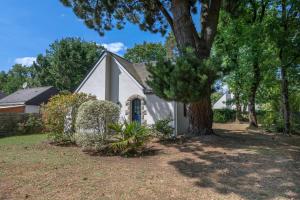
{"x": 253, "y": 166}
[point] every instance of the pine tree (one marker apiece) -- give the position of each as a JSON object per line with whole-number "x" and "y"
{"x": 157, "y": 16}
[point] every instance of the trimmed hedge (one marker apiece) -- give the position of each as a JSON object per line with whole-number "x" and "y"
{"x": 20, "y": 123}
{"x": 92, "y": 123}
{"x": 224, "y": 115}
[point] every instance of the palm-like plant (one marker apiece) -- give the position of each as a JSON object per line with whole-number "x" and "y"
{"x": 128, "y": 137}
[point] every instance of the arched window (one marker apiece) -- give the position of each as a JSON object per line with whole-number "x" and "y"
{"x": 136, "y": 113}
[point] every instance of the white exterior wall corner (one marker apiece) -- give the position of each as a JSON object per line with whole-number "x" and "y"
{"x": 94, "y": 83}
{"x": 32, "y": 109}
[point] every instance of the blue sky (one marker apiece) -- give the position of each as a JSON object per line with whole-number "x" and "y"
{"x": 27, "y": 27}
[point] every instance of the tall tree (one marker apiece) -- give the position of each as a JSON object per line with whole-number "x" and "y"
{"x": 285, "y": 32}
{"x": 3, "y": 80}
{"x": 145, "y": 52}
{"x": 156, "y": 16}
{"x": 15, "y": 78}
{"x": 66, "y": 63}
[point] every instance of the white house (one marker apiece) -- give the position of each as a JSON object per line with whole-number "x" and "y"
{"x": 225, "y": 102}
{"x": 115, "y": 79}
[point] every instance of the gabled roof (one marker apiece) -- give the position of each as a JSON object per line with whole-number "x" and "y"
{"x": 2, "y": 95}
{"x": 137, "y": 70}
{"x": 30, "y": 96}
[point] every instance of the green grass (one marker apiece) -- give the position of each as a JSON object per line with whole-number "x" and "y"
{"x": 23, "y": 139}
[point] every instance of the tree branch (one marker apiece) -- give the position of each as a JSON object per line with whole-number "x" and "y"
{"x": 254, "y": 9}
{"x": 165, "y": 13}
{"x": 263, "y": 9}
{"x": 209, "y": 20}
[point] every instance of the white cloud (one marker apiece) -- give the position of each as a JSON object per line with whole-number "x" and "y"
{"x": 27, "y": 61}
{"x": 114, "y": 47}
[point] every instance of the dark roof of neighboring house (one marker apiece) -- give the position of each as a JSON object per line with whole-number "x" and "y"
{"x": 30, "y": 96}
{"x": 137, "y": 70}
{"x": 2, "y": 95}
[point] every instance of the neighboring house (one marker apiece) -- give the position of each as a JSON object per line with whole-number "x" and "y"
{"x": 225, "y": 102}
{"x": 2, "y": 95}
{"x": 27, "y": 100}
{"x": 115, "y": 79}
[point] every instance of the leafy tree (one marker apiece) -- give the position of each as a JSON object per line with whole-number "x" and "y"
{"x": 15, "y": 78}
{"x": 171, "y": 46}
{"x": 145, "y": 52}
{"x": 3, "y": 80}
{"x": 284, "y": 30}
{"x": 66, "y": 63}
{"x": 157, "y": 16}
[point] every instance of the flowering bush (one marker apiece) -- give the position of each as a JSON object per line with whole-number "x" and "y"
{"x": 54, "y": 115}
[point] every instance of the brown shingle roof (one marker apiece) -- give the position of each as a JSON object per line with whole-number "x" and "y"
{"x": 137, "y": 70}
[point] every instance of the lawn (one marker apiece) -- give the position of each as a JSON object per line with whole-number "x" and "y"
{"x": 236, "y": 164}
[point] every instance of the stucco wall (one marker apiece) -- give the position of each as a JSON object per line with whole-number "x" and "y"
{"x": 124, "y": 86}
{"x": 32, "y": 109}
{"x": 95, "y": 83}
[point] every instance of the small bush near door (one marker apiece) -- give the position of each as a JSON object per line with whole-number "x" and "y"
{"x": 128, "y": 138}
{"x": 163, "y": 129}
{"x": 92, "y": 122}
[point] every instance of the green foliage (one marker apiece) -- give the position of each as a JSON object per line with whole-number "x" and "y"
{"x": 106, "y": 15}
{"x": 215, "y": 97}
{"x": 90, "y": 141}
{"x": 129, "y": 137}
{"x": 20, "y": 123}
{"x": 224, "y": 115}
{"x": 55, "y": 111}
{"x": 95, "y": 115}
{"x": 92, "y": 122}
{"x": 66, "y": 63}
{"x": 64, "y": 66}
{"x": 14, "y": 78}
{"x": 32, "y": 125}
{"x": 182, "y": 80}
{"x": 145, "y": 52}
{"x": 163, "y": 129}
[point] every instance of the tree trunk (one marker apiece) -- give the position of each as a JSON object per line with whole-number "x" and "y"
{"x": 284, "y": 80}
{"x": 201, "y": 116}
{"x": 186, "y": 35}
{"x": 252, "y": 96}
{"x": 285, "y": 100}
{"x": 238, "y": 115}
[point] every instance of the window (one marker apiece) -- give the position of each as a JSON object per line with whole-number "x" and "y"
{"x": 136, "y": 110}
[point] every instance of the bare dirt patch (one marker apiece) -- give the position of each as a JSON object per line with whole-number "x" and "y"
{"x": 235, "y": 164}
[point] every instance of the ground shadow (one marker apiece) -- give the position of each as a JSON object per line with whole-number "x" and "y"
{"x": 252, "y": 165}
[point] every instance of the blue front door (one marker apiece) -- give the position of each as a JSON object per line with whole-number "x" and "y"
{"x": 136, "y": 110}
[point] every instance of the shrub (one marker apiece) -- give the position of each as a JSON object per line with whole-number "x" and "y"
{"x": 54, "y": 115}
{"x": 33, "y": 124}
{"x": 224, "y": 115}
{"x": 129, "y": 137}
{"x": 92, "y": 122}
{"x": 162, "y": 128}
{"x": 270, "y": 121}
